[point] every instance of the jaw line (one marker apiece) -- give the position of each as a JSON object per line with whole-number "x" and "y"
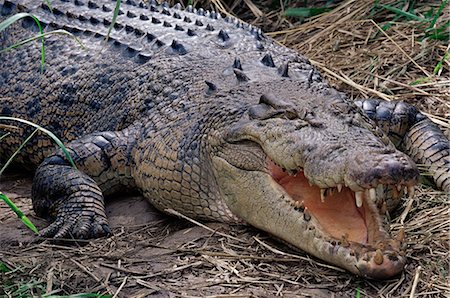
{"x": 267, "y": 206}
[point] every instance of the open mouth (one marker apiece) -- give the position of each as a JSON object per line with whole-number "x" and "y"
{"x": 350, "y": 218}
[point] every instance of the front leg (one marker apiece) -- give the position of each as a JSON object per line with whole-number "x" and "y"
{"x": 414, "y": 134}
{"x": 73, "y": 198}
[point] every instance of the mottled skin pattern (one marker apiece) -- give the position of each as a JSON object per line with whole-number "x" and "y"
{"x": 199, "y": 114}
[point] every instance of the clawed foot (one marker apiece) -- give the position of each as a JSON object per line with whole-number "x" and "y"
{"x": 81, "y": 225}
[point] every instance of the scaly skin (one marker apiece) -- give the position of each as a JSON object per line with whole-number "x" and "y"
{"x": 212, "y": 119}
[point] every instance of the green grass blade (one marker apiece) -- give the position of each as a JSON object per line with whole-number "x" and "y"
{"x": 47, "y": 132}
{"x": 305, "y": 12}
{"x": 17, "y": 151}
{"x": 440, "y": 64}
{"x": 403, "y": 13}
{"x": 4, "y": 268}
{"x": 19, "y": 213}
{"x": 116, "y": 13}
{"x": 438, "y": 13}
{"x": 25, "y": 41}
{"x": 14, "y": 18}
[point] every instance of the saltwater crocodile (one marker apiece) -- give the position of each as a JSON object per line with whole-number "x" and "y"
{"x": 208, "y": 117}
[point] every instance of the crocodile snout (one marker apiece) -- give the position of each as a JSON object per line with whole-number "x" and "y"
{"x": 369, "y": 170}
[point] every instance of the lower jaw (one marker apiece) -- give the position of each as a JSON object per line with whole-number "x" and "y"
{"x": 344, "y": 234}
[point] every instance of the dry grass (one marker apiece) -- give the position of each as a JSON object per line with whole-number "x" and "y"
{"x": 163, "y": 257}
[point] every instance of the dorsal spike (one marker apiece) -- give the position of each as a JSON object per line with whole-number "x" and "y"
{"x": 178, "y": 47}
{"x": 177, "y": 6}
{"x": 240, "y": 75}
{"x": 284, "y": 70}
{"x": 187, "y": 20}
{"x": 143, "y": 17}
{"x": 209, "y": 27}
{"x": 153, "y": 8}
{"x": 153, "y": 2}
{"x": 267, "y": 60}
{"x": 165, "y": 4}
{"x": 310, "y": 77}
{"x": 165, "y": 11}
{"x": 223, "y": 35}
{"x": 191, "y": 32}
{"x": 237, "y": 63}
{"x": 158, "y": 43}
{"x": 211, "y": 87}
{"x": 167, "y": 24}
{"x": 189, "y": 8}
{"x": 201, "y": 12}
{"x": 155, "y": 20}
{"x": 179, "y": 28}
{"x": 176, "y": 16}
{"x": 105, "y": 8}
{"x": 131, "y": 14}
{"x": 198, "y": 23}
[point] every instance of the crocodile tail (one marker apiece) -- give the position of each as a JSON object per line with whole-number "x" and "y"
{"x": 415, "y": 134}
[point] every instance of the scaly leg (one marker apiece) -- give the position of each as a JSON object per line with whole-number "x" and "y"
{"x": 74, "y": 197}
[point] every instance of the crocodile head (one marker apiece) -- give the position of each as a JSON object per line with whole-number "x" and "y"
{"x": 308, "y": 170}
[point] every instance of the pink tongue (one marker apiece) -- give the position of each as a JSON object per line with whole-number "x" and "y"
{"x": 338, "y": 215}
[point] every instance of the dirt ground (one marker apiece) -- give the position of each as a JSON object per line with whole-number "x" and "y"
{"x": 155, "y": 255}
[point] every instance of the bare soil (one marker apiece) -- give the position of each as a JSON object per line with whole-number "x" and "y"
{"x": 155, "y": 255}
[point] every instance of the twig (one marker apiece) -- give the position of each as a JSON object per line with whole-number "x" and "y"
{"x": 120, "y": 287}
{"x": 415, "y": 282}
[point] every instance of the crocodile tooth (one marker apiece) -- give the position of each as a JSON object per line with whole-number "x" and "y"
{"x": 378, "y": 257}
{"x": 410, "y": 192}
{"x": 373, "y": 194}
{"x": 359, "y": 198}
{"x": 267, "y": 60}
{"x": 240, "y": 75}
{"x": 323, "y": 194}
{"x": 223, "y": 35}
{"x": 237, "y": 63}
{"x": 306, "y": 215}
{"x": 339, "y": 187}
